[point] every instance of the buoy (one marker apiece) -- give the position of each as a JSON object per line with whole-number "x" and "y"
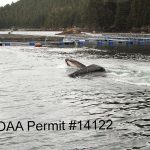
{"x": 7, "y": 44}
{"x": 81, "y": 42}
{"x": 129, "y": 42}
{"x": 62, "y": 43}
{"x": 100, "y": 43}
{"x": 110, "y": 43}
{"x": 38, "y": 45}
{"x": 32, "y": 43}
{"x": 141, "y": 42}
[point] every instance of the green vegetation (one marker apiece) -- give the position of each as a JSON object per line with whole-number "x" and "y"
{"x": 104, "y": 15}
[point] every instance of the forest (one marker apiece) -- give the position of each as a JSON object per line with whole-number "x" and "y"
{"x": 101, "y": 15}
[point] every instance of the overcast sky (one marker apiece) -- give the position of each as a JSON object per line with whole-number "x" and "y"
{"x": 4, "y": 2}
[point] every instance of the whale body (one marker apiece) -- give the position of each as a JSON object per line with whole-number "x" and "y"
{"x": 83, "y": 70}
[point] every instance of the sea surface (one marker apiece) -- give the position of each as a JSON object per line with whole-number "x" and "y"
{"x": 34, "y": 86}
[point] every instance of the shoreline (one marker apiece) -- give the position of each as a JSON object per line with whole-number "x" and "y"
{"x": 27, "y": 38}
{"x": 132, "y": 31}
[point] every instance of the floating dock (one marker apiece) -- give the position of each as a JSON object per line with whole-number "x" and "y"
{"x": 111, "y": 39}
{"x": 75, "y": 40}
{"x": 27, "y": 38}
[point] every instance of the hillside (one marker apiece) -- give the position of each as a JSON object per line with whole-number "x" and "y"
{"x": 103, "y": 15}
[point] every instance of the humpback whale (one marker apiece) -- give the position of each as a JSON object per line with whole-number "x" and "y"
{"x": 74, "y": 63}
{"x": 83, "y": 69}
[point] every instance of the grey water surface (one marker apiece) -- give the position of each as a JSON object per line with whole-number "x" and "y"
{"x": 34, "y": 85}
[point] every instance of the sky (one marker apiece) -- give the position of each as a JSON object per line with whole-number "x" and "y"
{"x": 4, "y": 2}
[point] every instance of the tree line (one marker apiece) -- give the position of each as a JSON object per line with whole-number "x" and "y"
{"x": 103, "y": 15}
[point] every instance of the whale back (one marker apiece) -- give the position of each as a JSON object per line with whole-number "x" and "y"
{"x": 74, "y": 63}
{"x": 87, "y": 70}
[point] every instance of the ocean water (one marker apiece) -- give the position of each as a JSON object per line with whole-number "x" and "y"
{"x": 34, "y": 86}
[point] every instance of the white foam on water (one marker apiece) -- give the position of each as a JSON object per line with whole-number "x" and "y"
{"x": 134, "y": 83}
{"x": 61, "y": 66}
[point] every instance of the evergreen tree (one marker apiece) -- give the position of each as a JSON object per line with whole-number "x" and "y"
{"x": 122, "y": 13}
{"x": 92, "y": 14}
